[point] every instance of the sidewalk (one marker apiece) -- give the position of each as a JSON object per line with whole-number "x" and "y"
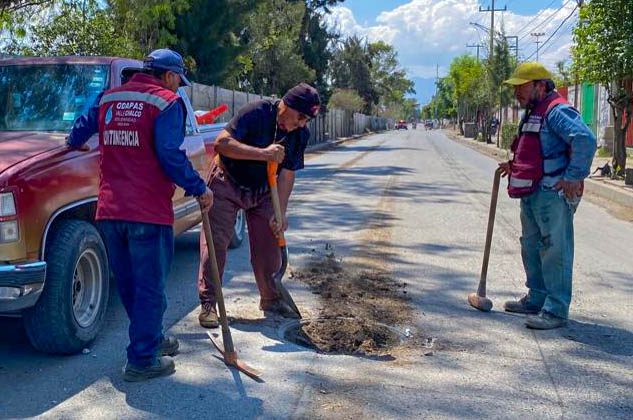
{"x": 599, "y": 188}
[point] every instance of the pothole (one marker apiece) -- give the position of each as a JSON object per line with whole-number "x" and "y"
{"x": 343, "y": 335}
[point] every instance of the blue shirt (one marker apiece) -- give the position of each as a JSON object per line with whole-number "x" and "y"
{"x": 565, "y": 130}
{"x": 169, "y": 134}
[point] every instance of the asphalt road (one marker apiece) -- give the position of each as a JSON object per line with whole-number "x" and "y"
{"x": 416, "y": 203}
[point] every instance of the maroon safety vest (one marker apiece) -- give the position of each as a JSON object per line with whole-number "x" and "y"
{"x": 133, "y": 187}
{"x": 526, "y": 167}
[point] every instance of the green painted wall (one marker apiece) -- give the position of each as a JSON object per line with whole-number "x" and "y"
{"x": 588, "y": 105}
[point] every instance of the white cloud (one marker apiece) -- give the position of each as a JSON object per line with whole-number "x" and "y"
{"x": 430, "y": 32}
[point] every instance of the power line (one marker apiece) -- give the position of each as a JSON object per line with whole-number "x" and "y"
{"x": 548, "y": 19}
{"x": 568, "y": 29}
{"x": 556, "y": 30}
{"x": 535, "y": 17}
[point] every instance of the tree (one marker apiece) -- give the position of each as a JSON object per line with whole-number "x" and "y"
{"x": 16, "y": 17}
{"x": 603, "y": 54}
{"x": 79, "y": 28}
{"x": 150, "y": 23}
{"x": 272, "y": 62}
{"x": 347, "y": 99}
{"x": 390, "y": 81}
{"x": 351, "y": 69}
{"x": 315, "y": 39}
{"x": 466, "y": 74}
{"x": 209, "y": 38}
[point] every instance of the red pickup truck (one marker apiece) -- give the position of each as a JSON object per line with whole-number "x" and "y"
{"x": 53, "y": 266}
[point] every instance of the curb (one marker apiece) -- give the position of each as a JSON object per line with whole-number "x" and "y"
{"x": 599, "y": 188}
{"x": 339, "y": 140}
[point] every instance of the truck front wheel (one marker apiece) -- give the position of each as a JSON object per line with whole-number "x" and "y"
{"x": 71, "y": 309}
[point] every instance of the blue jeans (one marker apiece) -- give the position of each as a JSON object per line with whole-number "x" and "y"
{"x": 140, "y": 255}
{"x": 547, "y": 249}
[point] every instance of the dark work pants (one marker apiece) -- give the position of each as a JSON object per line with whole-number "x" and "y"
{"x": 140, "y": 255}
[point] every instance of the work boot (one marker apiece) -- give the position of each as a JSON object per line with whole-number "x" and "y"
{"x": 208, "y": 317}
{"x": 163, "y": 366}
{"x": 278, "y": 307}
{"x": 169, "y": 346}
{"x": 521, "y": 306}
{"x": 544, "y": 321}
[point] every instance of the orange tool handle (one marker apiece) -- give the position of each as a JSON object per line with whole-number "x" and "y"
{"x": 271, "y": 168}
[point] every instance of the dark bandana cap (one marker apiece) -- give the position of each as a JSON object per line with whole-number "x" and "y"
{"x": 303, "y": 98}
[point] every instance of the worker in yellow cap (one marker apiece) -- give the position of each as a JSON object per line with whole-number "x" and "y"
{"x": 552, "y": 155}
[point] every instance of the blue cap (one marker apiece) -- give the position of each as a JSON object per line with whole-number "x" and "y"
{"x": 166, "y": 59}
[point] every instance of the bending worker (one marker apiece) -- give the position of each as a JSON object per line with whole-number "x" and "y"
{"x": 552, "y": 157}
{"x": 262, "y": 131}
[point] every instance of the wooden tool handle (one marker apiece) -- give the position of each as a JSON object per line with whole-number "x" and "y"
{"x": 481, "y": 291}
{"x": 217, "y": 284}
{"x": 274, "y": 195}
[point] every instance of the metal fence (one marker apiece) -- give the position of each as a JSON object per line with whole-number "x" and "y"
{"x": 333, "y": 124}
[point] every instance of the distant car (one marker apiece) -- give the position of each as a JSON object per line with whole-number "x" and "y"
{"x": 401, "y": 125}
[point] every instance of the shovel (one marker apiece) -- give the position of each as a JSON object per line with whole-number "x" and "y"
{"x": 227, "y": 350}
{"x": 281, "y": 240}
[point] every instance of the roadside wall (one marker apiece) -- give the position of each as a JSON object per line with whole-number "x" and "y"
{"x": 333, "y": 124}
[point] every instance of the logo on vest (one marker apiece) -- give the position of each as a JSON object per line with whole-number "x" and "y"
{"x": 121, "y": 138}
{"x": 108, "y": 116}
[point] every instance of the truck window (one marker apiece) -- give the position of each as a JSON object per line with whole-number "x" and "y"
{"x": 48, "y": 97}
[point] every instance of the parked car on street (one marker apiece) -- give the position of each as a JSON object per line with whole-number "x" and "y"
{"x": 401, "y": 125}
{"x": 53, "y": 267}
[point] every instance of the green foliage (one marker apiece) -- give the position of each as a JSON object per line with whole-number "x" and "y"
{"x": 209, "y": 35}
{"x": 347, "y": 99}
{"x": 315, "y": 39}
{"x": 604, "y": 54}
{"x": 508, "y": 133}
{"x": 80, "y": 28}
{"x": 390, "y": 81}
{"x": 351, "y": 69}
{"x": 150, "y": 23}
{"x": 272, "y": 62}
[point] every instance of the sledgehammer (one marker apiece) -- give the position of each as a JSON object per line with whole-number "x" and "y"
{"x": 479, "y": 300}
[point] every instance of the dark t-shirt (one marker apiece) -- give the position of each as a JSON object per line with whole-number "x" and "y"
{"x": 254, "y": 125}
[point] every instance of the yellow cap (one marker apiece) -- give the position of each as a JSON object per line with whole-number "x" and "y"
{"x": 528, "y": 72}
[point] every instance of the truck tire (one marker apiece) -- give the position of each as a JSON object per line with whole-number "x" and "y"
{"x": 71, "y": 309}
{"x": 239, "y": 230}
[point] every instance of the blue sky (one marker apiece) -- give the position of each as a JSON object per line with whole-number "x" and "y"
{"x": 427, "y": 33}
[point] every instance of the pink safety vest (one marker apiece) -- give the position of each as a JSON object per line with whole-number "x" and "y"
{"x": 133, "y": 187}
{"x": 526, "y": 167}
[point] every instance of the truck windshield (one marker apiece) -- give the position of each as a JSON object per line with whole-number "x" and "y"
{"x": 47, "y": 97}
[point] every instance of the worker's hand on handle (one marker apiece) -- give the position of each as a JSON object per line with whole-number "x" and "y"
{"x": 505, "y": 168}
{"x": 571, "y": 189}
{"x": 274, "y": 226}
{"x": 275, "y": 153}
{"x": 205, "y": 200}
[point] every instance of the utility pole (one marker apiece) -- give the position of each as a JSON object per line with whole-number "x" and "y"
{"x": 514, "y": 47}
{"x": 537, "y": 35}
{"x": 437, "y": 81}
{"x": 478, "y": 46}
{"x": 492, "y": 11}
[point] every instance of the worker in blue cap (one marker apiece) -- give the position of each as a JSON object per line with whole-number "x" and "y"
{"x": 141, "y": 127}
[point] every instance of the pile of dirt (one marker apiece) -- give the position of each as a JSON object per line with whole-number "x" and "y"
{"x": 357, "y": 311}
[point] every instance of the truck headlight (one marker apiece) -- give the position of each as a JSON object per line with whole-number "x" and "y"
{"x": 7, "y": 204}
{"x": 9, "y": 231}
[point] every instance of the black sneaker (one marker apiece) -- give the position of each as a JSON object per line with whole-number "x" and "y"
{"x": 521, "y": 306}
{"x": 544, "y": 321}
{"x": 169, "y": 346}
{"x": 164, "y": 366}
